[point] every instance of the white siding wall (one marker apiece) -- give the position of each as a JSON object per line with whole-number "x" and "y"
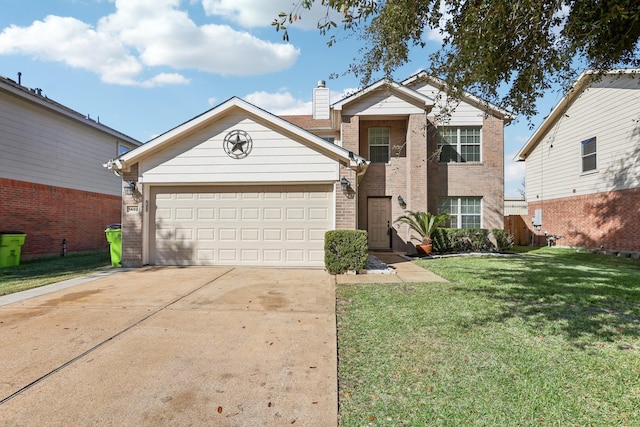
{"x": 381, "y": 103}
{"x": 609, "y": 110}
{"x": 200, "y": 158}
{"x": 38, "y": 145}
{"x": 464, "y": 114}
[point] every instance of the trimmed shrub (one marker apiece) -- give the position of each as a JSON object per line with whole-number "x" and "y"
{"x": 345, "y": 250}
{"x": 503, "y": 240}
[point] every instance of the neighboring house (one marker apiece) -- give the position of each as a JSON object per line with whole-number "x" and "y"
{"x": 52, "y": 185}
{"x": 583, "y": 165}
{"x": 240, "y": 186}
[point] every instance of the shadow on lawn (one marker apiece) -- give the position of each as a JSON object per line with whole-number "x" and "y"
{"x": 585, "y": 303}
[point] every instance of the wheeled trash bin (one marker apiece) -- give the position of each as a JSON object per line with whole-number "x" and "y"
{"x": 114, "y": 237}
{"x": 11, "y": 243}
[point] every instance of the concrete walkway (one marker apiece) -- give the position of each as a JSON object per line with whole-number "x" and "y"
{"x": 406, "y": 271}
{"x": 174, "y": 346}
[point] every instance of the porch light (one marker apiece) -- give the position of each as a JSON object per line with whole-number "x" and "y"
{"x": 344, "y": 183}
{"x": 130, "y": 188}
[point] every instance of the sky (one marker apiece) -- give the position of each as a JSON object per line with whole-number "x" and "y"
{"x": 144, "y": 67}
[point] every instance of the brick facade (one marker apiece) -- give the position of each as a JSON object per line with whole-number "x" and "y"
{"x": 414, "y": 173}
{"x": 485, "y": 179}
{"x": 132, "y": 214}
{"x": 608, "y": 220}
{"x": 346, "y": 203}
{"x": 49, "y": 214}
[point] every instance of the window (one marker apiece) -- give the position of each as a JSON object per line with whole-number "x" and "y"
{"x": 465, "y": 212}
{"x": 379, "y": 145}
{"x": 459, "y": 144}
{"x": 122, "y": 149}
{"x": 588, "y": 148}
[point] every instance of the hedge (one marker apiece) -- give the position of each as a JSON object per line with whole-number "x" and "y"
{"x": 345, "y": 250}
{"x": 452, "y": 240}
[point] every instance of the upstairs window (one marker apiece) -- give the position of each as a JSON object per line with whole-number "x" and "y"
{"x": 588, "y": 148}
{"x": 459, "y": 144}
{"x": 379, "y": 142}
{"x": 122, "y": 149}
{"x": 464, "y": 212}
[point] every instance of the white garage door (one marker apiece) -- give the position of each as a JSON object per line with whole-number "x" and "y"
{"x": 265, "y": 225}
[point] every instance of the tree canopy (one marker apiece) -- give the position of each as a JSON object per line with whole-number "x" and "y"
{"x": 508, "y": 52}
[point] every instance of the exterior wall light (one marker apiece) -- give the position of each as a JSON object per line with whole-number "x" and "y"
{"x": 401, "y": 202}
{"x": 344, "y": 183}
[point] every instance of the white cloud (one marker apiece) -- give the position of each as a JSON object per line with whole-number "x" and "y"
{"x": 252, "y": 13}
{"x": 163, "y": 79}
{"x": 514, "y": 171}
{"x": 283, "y": 103}
{"x": 280, "y": 103}
{"x": 143, "y": 34}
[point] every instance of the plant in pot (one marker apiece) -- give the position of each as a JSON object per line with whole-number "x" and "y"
{"x": 423, "y": 223}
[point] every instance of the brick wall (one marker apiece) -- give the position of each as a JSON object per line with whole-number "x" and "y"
{"x": 132, "y": 221}
{"x": 50, "y": 214}
{"x": 346, "y": 209}
{"x": 472, "y": 180}
{"x": 610, "y": 220}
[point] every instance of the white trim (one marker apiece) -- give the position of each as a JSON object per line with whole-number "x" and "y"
{"x": 558, "y": 111}
{"x": 468, "y": 97}
{"x": 421, "y": 100}
{"x": 331, "y": 150}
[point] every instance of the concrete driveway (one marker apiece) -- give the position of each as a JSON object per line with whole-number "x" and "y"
{"x": 174, "y": 346}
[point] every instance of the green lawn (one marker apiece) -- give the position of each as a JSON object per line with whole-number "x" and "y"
{"x": 33, "y": 274}
{"x": 548, "y": 338}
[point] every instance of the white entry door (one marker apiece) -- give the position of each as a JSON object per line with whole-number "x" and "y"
{"x": 379, "y": 215}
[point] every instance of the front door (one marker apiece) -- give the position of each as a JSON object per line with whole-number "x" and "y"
{"x": 379, "y": 222}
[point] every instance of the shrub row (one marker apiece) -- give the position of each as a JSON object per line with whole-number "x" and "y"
{"x": 450, "y": 240}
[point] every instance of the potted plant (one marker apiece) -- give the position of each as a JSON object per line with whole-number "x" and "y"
{"x": 423, "y": 223}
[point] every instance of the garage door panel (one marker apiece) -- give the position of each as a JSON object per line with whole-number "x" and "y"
{"x": 274, "y": 226}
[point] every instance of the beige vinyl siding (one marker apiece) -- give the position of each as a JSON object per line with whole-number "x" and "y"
{"x": 608, "y": 111}
{"x": 274, "y": 158}
{"x": 44, "y": 147}
{"x": 464, "y": 114}
{"x": 380, "y": 104}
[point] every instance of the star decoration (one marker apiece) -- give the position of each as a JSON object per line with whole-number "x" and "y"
{"x": 237, "y": 144}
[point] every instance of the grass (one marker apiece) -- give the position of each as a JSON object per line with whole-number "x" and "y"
{"x": 547, "y": 338}
{"x": 38, "y": 273}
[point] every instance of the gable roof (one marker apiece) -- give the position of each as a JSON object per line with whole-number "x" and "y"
{"x": 157, "y": 144}
{"x": 416, "y": 98}
{"x": 561, "y": 107}
{"x": 35, "y": 96}
{"x": 466, "y": 96}
{"x": 308, "y": 122}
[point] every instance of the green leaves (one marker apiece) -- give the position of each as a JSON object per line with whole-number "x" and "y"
{"x": 506, "y": 52}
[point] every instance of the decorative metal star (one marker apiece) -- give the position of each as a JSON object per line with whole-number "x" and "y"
{"x": 237, "y": 144}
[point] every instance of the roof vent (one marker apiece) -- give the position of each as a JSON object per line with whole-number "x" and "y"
{"x": 321, "y": 83}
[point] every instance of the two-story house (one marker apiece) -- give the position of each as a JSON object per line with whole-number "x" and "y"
{"x": 240, "y": 186}
{"x": 52, "y": 183}
{"x": 583, "y": 165}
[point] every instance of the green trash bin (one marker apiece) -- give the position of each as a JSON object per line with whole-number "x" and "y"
{"x": 114, "y": 237}
{"x": 10, "y": 246}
